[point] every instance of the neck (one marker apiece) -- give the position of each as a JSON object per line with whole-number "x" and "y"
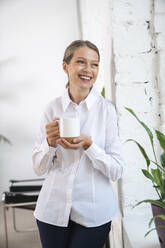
{"x": 78, "y": 95}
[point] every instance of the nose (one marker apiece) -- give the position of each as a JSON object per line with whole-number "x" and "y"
{"x": 87, "y": 67}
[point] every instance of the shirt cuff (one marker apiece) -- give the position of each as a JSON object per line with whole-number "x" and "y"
{"x": 46, "y": 148}
{"x": 93, "y": 151}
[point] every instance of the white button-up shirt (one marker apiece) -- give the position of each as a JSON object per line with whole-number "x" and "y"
{"x": 77, "y": 184}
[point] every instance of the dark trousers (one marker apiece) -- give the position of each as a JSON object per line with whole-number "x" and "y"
{"x": 73, "y": 236}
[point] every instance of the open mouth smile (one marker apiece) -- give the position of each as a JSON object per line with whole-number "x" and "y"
{"x": 83, "y": 77}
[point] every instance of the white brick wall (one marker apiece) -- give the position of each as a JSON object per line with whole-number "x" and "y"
{"x": 159, "y": 21}
{"x": 136, "y": 63}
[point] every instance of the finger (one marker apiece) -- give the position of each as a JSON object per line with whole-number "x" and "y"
{"x": 52, "y": 127}
{"x": 55, "y": 137}
{"x": 56, "y": 118}
{"x": 77, "y": 140}
{"x": 53, "y": 134}
{"x": 77, "y": 146}
{"x": 65, "y": 143}
{"x": 72, "y": 146}
{"x": 52, "y": 124}
{"x": 52, "y": 130}
{"x": 52, "y": 141}
{"x": 60, "y": 142}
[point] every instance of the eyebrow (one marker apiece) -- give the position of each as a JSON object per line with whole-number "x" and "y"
{"x": 85, "y": 59}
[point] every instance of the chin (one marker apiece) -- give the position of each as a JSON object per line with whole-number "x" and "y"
{"x": 86, "y": 85}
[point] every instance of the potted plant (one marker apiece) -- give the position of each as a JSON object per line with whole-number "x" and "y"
{"x": 155, "y": 172}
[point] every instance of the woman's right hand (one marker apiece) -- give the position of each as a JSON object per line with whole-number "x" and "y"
{"x": 52, "y": 131}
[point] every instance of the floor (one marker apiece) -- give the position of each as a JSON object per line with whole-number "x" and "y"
{"x": 24, "y": 219}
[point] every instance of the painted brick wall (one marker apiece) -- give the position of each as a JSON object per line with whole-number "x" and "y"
{"x": 139, "y": 52}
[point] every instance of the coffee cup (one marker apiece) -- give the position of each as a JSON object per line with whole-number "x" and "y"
{"x": 69, "y": 128}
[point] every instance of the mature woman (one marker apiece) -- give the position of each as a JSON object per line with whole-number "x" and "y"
{"x": 76, "y": 203}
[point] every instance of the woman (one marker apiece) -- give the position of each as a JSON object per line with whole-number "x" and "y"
{"x": 76, "y": 204}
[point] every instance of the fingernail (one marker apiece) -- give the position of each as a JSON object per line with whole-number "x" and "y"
{"x": 74, "y": 140}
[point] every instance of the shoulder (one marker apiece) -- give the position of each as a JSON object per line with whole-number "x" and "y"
{"x": 52, "y": 107}
{"x": 109, "y": 109}
{"x": 52, "y": 103}
{"x": 107, "y": 104}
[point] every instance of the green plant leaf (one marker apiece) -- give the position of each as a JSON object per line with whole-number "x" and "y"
{"x": 147, "y": 174}
{"x": 3, "y": 138}
{"x": 103, "y": 92}
{"x": 149, "y": 232}
{"x": 163, "y": 188}
{"x": 143, "y": 125}
{"x": 162, "y": 159}
{"x": 151, "y": 220}
{"x": 155, "y": 202}
{"x": 161, "y": 138}
{"x": 156, "y": 173}
{"x": 155, "y": 186}
{"x": 159, "y": 166}
{"x": 161, "y": 216}
{"x": 159, "y": 227}
{"x": 142, "y": 151}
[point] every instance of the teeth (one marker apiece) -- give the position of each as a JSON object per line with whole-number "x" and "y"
{"x": 85, "y": 77}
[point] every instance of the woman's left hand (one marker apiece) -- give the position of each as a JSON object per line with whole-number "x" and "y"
{"x": 81, "y": 141}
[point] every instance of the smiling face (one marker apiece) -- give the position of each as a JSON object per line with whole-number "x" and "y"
{"x": 82, "y": 70}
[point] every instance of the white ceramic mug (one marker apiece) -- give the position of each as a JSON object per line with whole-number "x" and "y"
{"x": 69, "y": 128}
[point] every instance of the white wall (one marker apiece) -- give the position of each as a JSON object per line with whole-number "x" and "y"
{"x": 139, "y": 45}
{"x": 96, "y": 27}
{"x": 137, "y": 82}
{"x": 34, "y": 35}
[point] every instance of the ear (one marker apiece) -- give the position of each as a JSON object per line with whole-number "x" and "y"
{"x": 65, "y": 67}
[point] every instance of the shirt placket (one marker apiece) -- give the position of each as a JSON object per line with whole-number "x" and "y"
{"x": 71, "y": 178}
{"x": 69, "y": 189}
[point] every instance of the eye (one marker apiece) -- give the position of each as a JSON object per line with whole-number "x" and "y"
{"x": 80, "y": 61}
{"x": 95, "y": 65}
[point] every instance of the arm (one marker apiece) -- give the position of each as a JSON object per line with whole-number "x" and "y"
{"x": 45, "y": 146}
{"x": 108, "y": 160}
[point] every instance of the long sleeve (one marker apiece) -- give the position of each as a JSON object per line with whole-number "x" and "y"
{"x": 43, "y": 154}
{"x": 108, "y": 160}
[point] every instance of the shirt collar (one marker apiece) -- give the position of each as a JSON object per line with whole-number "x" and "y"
{"x": 65, "y": 99}
{"x": 89, "y": 100}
